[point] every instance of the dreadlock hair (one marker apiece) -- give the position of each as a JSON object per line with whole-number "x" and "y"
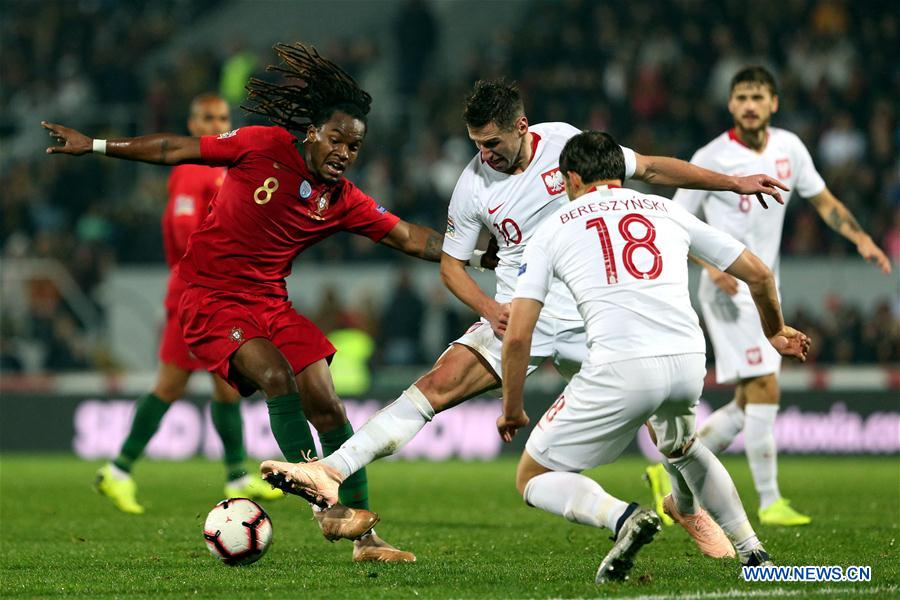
{"x": 311, "y": 90}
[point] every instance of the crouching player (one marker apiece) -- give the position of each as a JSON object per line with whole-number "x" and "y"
{"x": 623, "y": 255}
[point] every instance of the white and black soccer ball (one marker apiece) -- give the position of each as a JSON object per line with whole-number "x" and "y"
{"x": 238, "y": 531}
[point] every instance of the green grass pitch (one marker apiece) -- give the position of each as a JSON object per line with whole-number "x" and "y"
{"x": 473, "y": 536}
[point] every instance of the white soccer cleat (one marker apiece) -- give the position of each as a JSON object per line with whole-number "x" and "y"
{"x": 635, "y": 533}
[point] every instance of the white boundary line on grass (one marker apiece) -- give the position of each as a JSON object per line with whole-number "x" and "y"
{"x": 769, "y": 593}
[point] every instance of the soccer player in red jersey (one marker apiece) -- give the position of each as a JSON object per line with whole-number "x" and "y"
{"x": 281, "y": 195}
{"x": 191, "y": 188}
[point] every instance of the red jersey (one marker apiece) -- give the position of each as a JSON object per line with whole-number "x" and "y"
{"x": 270, "y": 208}
{"x": 191, "y": 188}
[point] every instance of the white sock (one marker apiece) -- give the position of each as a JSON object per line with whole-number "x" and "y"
{"x": 759, "y": 444}
{"x": 713, "y": 487}
{"x": 384, "y": 434}
{"x": 720, "y": 428}
{"x": 684, "y": 498}
{"x": 578, "y": 498}
{"x": 117, "y": 473}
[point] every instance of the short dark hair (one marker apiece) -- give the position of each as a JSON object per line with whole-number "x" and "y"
{"x": 494, "y": 101}
{"x": 595, "y": 155}
{"x": 755, "y": 74}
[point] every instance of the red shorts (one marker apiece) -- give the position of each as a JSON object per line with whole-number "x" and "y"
{"x": 172, "y": 348}
{"x": 216, "y": 323}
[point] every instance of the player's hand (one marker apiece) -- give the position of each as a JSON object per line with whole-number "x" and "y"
{"x": 723, "y": 281}
{"x": 489, "y": 259}
{"x": 73, "y": 142}
{"x": 499, "y": 319}
{"x": 791, "y": 342}
{"x": 508, "y": 425}
{"x": 870, "y": 251}
{"x": 759, "y": 185}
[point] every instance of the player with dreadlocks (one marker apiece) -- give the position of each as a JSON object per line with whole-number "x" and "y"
{"x": 281, "y": 195}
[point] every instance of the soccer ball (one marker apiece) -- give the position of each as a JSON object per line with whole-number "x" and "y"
{"x": 238, "y": 531}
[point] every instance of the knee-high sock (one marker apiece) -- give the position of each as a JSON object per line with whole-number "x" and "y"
{"x": 226, "y": 418}
{"x": 685, "y": 501}
{"x": 354, "y": 491}
{"x": 714, "y": 489}
{"x": 759, "y": 445}
{"x": 578, "y": 498}
{"x": 149, "y": 411}
{"x": 385, "y": 433}
{"x": 290, "y": 428}
{"x": 720, "y": 428}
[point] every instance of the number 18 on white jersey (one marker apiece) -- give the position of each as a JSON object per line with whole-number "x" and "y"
{"x": 623, "y": 255}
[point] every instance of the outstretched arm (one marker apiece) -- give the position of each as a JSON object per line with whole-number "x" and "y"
{"x": 839, "y": 218}
{"x": 758, "y": 277}
{"x": 158, "y": 148}
{"x": 672, "y": 172}
{"x": 415, "y": 240}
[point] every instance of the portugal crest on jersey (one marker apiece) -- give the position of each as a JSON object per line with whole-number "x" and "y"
{"x": 321, "y": 207}
{"x": 783, "y": 168}
{"x": 554, "y": 182}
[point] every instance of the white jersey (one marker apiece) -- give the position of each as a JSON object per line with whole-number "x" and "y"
{"x": 512, "y": 207}
{"x": 623, "y": 255}
{"x": 784, "y": 157}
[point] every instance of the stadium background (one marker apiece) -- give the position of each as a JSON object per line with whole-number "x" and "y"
{"x": 82, "y": 267}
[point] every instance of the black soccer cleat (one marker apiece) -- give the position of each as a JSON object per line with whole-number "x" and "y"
{"x": 638, "y": 526}
{"x": 758, "y": 558}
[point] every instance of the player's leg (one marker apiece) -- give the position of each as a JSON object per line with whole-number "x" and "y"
{"x": 710, "y": 483}
{"x": 326, "y": 412}
{"x": 759, "y": 397}
{"x": 590, "y": 424}
{"x": 260, "y": 362}
{"x": 226, "y": 417}
{"x": 458, "y": 374}
{"x": 114, "y": 479}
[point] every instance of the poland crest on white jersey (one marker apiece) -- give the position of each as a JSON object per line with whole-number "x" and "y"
{"x": 623, "y": 255}
{"x": 784, "y": 157}
{"x": 511, "y": 207}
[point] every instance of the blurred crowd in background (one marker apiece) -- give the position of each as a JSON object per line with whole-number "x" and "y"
{"x": 655, "y": 74}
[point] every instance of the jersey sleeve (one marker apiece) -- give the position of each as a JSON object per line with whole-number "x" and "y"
{"x": 536, "y": 271}
{"x": 230, "y": 148}
{"x": 630, "y": 162}
{"x": 366, "y": 217}
{"x": 708, "y": 243}
{"x": 692, "y": 200}
{"x": 809, "y": 182}
{"x": 463, "y": 223}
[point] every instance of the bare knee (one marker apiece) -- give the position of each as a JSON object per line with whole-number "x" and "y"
{"x": 171, "y": 383}
{"x": 458, "y": 375}
{"x": 527, "y": 470}
{"x": 276, "y": 381}
{"x": 758, "y": 390}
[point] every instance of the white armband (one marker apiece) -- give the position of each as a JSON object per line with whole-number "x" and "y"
{"x": 475, "y": 261}
{"x": 99, "y": 146}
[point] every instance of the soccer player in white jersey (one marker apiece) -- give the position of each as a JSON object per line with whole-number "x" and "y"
{"x": 742, "y": 355}
{"x": 623, "y": 255}
{"x": 510, "y": 187}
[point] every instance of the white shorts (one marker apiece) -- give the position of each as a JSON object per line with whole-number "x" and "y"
{"x": 741, "y": 348}
{"x": 603, "y": 407}
{"x": 563, "y": 341}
